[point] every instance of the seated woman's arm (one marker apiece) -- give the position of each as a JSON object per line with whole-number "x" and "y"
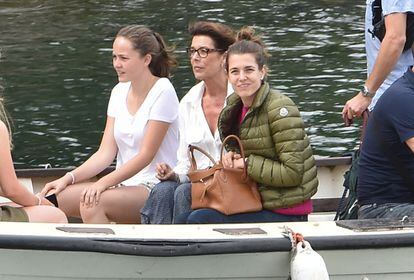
{"x": 101, "y": 159}
{"x": 154, "y": 135}
{"x": 10, "y": 187}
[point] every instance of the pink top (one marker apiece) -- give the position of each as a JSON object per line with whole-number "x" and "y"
{"x": 243, "y": 113}
{"x": 298, "y": 209}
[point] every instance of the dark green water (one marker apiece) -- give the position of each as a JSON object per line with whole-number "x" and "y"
{"x": 57, "y": 72}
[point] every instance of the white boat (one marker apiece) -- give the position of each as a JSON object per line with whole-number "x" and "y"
{"x": 381, "y": 250}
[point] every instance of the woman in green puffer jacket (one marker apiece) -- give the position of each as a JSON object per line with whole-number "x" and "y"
{"x": 278, "y": 153}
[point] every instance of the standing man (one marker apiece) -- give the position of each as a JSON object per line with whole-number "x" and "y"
{"x": 386, "y": 166}
{"x": 386, "y": 60}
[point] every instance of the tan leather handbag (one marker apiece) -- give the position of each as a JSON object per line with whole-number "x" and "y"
{"x": 228, "y": 190}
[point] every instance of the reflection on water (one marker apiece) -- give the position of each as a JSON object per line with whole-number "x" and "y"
{"x": 56, "y": 64}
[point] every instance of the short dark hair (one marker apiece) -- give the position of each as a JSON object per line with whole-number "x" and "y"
{"x": 222, "y": 35}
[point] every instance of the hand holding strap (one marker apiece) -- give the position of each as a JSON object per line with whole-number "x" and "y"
{"x": 241, "y": 151}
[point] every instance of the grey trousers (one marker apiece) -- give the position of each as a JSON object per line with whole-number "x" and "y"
{"x": 386, "y": 210}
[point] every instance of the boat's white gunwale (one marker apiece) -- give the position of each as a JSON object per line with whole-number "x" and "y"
{"x": 182, "y": 240}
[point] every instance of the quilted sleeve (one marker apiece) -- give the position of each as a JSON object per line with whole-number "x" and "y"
{"x": 287, "y": 132}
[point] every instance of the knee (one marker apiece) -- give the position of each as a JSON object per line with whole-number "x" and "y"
{"x": 55, "y": 215}
{"x": 60, "y": 217}
{"x": 89, "y": 213}
{"x": 164, "y": 189}
{"x": 183, "y": 191}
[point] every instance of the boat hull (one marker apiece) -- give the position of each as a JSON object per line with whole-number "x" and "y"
{"x": 356, "y": 264}
{"x": 244, "y": 251}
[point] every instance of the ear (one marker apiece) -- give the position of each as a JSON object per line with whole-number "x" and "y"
{"x": 147, "y": 59}
{"x": 223, "y": 63}
{"x": 263, "y": 72}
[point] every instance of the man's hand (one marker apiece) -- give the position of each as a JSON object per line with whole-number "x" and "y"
{"x": 355, "y": 106}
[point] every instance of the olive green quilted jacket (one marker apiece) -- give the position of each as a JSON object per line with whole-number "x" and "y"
{"x": 279, "y": 154}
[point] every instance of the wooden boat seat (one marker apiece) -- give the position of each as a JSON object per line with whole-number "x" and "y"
{"x": 325, "y": 202}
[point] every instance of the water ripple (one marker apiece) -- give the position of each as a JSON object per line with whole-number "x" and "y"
{"x": 58, "y": 75}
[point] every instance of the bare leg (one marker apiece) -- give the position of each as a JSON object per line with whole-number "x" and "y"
{"x": 121, "y": 205}
{"x": 45, "y": 214}
{"x": 69, "y": 199}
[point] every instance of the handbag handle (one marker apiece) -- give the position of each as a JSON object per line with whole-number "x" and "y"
{"x": 241, "y": 151}
{"x": 191, "y": 149}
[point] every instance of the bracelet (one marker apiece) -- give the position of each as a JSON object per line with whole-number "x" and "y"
{"x": 72, "y": 176}
{"x": 39, "y": 201}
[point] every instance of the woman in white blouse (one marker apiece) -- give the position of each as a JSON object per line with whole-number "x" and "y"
{"x": 198, "y": 114}
{"x": 141, "y": 130}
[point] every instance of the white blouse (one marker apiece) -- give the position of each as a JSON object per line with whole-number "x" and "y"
{"x": 194, "y": 130}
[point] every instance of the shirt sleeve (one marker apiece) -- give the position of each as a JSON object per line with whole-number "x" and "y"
{"x": 166, "y": 105}
{"x": 118, "y": 93}
{"x": 112, "y": 103}
{"x": 183, "y": 163}
{"x": 397, "y": 6}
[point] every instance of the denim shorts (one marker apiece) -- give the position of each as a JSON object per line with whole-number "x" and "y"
{"x": 148, "y": 185}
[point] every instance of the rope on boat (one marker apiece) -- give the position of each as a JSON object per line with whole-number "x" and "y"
{"x": 305, "y": 263}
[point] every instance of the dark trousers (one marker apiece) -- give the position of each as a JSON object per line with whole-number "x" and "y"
{"x": 211, "y": 216}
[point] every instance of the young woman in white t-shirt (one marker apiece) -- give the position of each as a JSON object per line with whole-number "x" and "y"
{"x": 141, "y": 130}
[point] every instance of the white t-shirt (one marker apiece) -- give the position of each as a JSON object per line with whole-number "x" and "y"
{"x": 194, "y": 130}
{"x": 372, "y": 44}
{"x": 161, "y": 104}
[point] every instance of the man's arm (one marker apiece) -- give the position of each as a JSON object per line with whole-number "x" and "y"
{"x": 410, "y": 143}
{"x": 391, "y": 48}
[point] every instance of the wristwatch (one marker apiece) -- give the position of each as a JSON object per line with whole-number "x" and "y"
{"x": 366, "y": 92}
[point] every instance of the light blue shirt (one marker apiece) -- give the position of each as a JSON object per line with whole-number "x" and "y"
{"x": 372, "y": 44}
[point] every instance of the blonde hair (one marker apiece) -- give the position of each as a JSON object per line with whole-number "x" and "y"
{"x": 4, "y": 116}
{"x": 5, "y": 119}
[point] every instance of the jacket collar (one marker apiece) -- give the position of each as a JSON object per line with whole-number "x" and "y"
{"x": 231, "y": 113}
{"x": 258, "y": 100}
{"x": 195, "y": 94}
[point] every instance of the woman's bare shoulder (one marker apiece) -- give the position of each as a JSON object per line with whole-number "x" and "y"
{"x": 3, "y": 128}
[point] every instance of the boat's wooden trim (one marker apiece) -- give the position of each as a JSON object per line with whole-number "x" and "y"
{"x": 333, "y": 161}
{"x": 47, "y": 172}
{"x": 330, "y": 170}
{"x": 325, "y": 204}
{"x": 51, "y": 172}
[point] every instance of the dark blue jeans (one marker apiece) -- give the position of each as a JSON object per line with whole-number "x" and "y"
{"x": 386, "y": 210}
{"x": 211, "y": 216}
